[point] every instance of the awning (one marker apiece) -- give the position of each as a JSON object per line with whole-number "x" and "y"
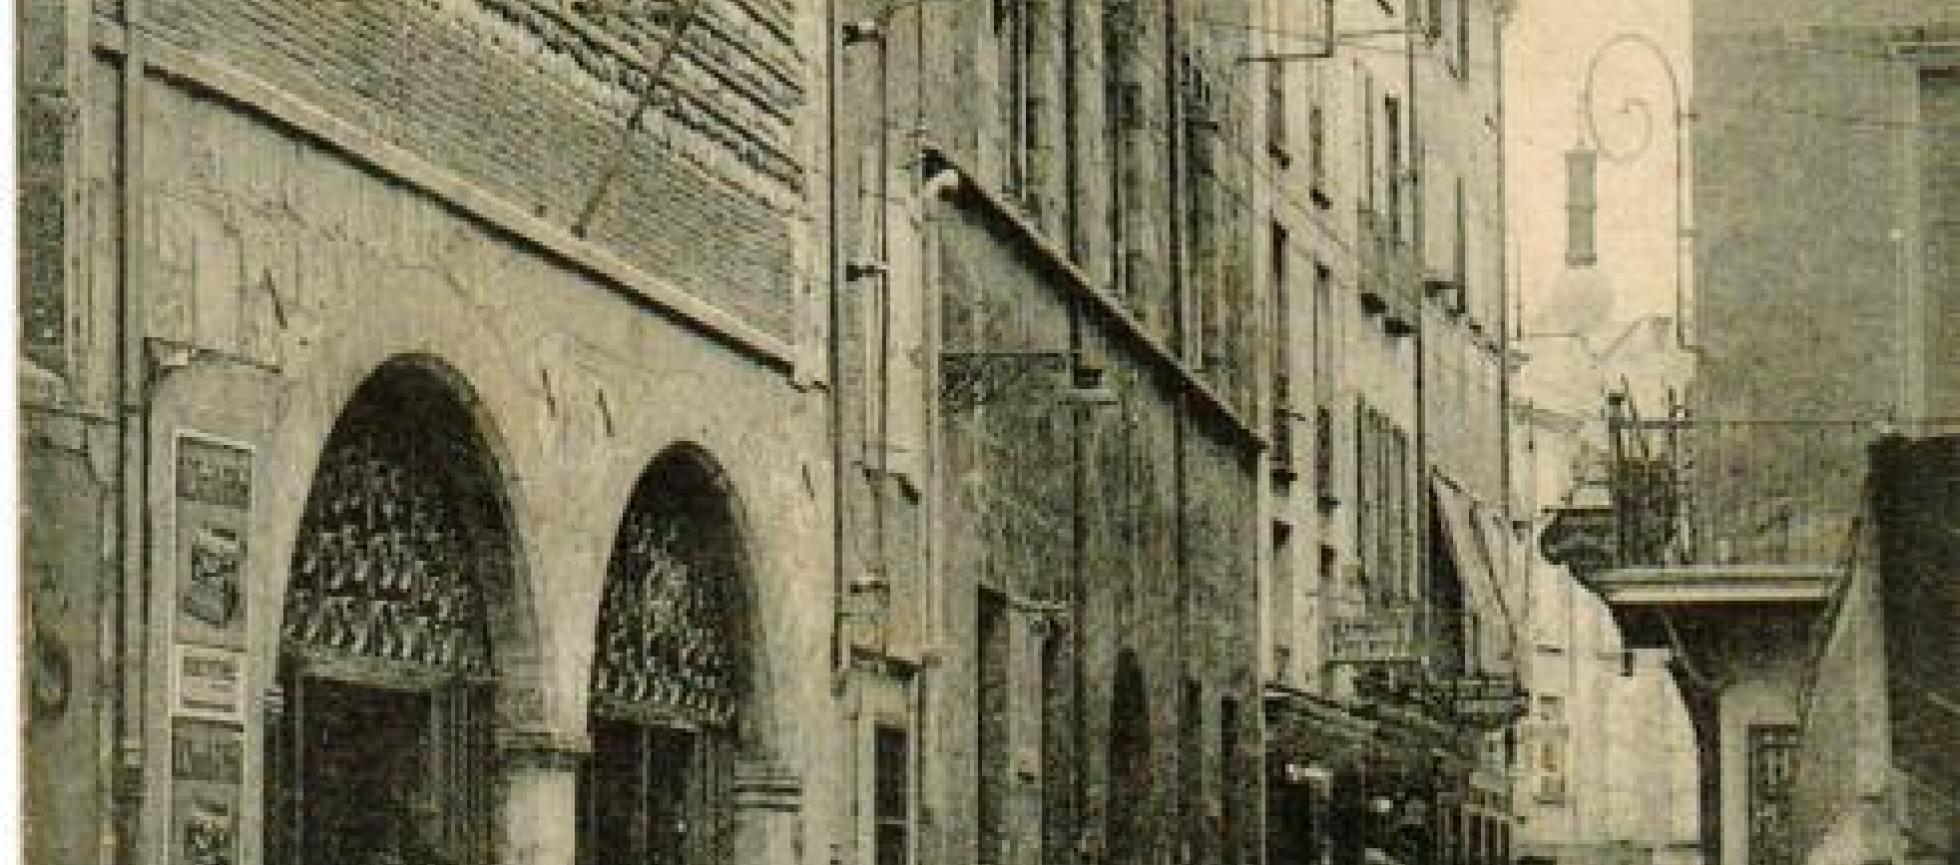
{"x": 1497, "y": 539}
{"x": 1313, "y": 734}
{"x": 1467, "y": 548}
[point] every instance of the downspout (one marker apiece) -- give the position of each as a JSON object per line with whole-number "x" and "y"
{"x": 1415, "y": 509}
{"x": 833, "y": 348}
{"x": 1505, "y": 458}
{"x": 131, "y": 600}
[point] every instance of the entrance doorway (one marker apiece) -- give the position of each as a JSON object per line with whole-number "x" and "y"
{"x": 670, "y": 676}
{"x": 1131, "y": 791}
{"x": 382, "y": 750}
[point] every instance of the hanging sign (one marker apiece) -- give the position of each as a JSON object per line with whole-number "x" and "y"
{"x": 1487, "y": 701}
{"x": 1386, "y": 637}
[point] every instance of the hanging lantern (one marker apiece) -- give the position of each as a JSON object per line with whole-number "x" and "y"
{"x": 1581, "y": 204}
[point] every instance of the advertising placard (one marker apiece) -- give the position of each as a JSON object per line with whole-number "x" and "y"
{"x": 213, "y": 506}
{"x": 206, "y": 760}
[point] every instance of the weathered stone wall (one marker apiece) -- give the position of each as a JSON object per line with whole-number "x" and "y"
{"x": 1811, "y": 298}
{"x": 526, "y": 101}
{"x": 321, "y": 189}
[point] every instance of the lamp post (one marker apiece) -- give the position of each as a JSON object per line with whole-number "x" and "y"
{"x": 1582, "y": 159}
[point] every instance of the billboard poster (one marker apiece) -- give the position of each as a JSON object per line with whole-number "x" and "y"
{"x": 209, "y": 683}
{"x": 213, "y": 505}
{"x": 206, "y": 762}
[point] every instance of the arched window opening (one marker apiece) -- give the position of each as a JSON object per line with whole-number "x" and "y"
{"x": 382, "y": 749}
{"x": 670, "y": 676}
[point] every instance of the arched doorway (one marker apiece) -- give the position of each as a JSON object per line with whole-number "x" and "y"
{"x": 383, "y": 750}
{"x": 671, "y": 674}
{"x": 1130, "y": 785}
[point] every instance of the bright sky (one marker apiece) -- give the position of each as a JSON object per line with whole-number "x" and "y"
{"x": 1550, "y": 43}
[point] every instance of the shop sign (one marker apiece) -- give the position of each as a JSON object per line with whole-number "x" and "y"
{"x": 206, "y": 761}
{"x": 1380, "y": 638}
{"x": 1487, "y": 701}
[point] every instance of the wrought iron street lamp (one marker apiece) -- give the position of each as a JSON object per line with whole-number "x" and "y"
{"x": 1582, "y": 161}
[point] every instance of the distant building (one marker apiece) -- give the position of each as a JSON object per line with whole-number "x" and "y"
{"x": 1593, "y": 786}
{"x": 1823, "y": 221}
{"x": 1394, "y": 600}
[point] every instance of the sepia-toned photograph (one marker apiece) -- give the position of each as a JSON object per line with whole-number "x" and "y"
{"x": 985, "y": 432}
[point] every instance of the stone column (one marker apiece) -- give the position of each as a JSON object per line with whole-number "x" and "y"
{"x": 540, "y": 811}
{"x": 768, "y": 803}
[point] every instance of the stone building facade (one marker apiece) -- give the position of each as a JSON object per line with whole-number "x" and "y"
{"x": 1049, "y": 322}
{"x": 401, "y": 478}
{"x": 754, "y": 430}
{"x": 1860, "y": 274}
{"x": 1739, "y": 506}
{"x": 1388, "y": 498}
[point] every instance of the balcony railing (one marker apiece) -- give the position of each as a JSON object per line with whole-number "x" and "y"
{"x": 1733, "y": 491}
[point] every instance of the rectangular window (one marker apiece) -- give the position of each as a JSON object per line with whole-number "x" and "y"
{"x": 1460, "y": 248}
{"x": 1283, "y": 600}
{"x": 1366, "y": 499}
{"x": 1772, "y": 767}
{"x": 1276, "y": 119}
{"x": 1191, "y": 723}
{"x": 1056, "y": 827}
{"x": 891, "y": 778}
{"x": 1118, "y": 108}
{"x": 1323, "y": 383}
{"x": 1011, "y": 39}
{"x": 1231, "y": 785}
{"x": 1462, "y": 38}
{"x": 1370, "y": 172}
{"x": 1316, "y": 145}
{"x": 1392, "y": 131}
{"x": 1280, "y": 249}
{"x": 991, "y": 727}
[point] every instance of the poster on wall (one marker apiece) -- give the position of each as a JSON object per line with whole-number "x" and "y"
{"x": 213, "y": 506}
{"x": 206, "y": 762}
{"x": 209, "y": 683}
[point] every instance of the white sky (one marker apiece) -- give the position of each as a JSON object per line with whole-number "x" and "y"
{"x": 1549, "y": 43}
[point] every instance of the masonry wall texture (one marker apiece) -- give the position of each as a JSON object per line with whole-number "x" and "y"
{"x": 1104, "y": 536}
{"x": 480, "y": 88}
{"x": 1816, "y": 284}
{"x": 320, "y": 190}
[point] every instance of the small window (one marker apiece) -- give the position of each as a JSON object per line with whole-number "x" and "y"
{"x": 1231, "y": 788}
{"x": 1317, "y": 145}
{"x": 1276, "y": 118}
{"x": 892, "y": 795}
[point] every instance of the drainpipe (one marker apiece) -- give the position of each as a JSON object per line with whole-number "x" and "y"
{"x": 833, "y": 351}
{"x": 1519, "y": 650}
{"x": 130, "y": 602}
{"x": 1417, "y": 508}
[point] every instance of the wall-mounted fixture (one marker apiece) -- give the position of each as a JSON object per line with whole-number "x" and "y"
{"x": 973, "y": 378}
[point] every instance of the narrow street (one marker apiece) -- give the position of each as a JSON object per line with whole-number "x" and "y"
{"x": 988, "y": 432}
